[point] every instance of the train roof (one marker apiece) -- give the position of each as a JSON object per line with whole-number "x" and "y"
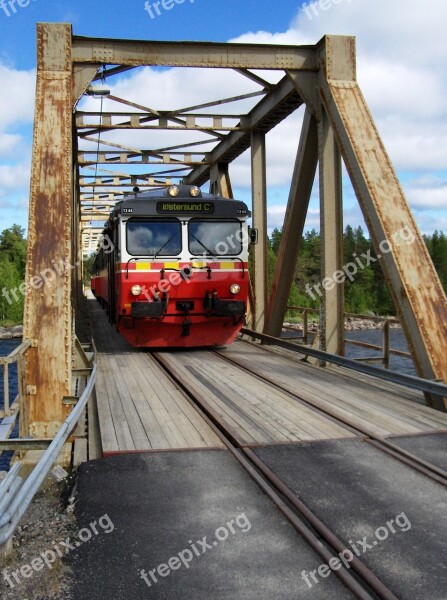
{"x": 179, "y": 200}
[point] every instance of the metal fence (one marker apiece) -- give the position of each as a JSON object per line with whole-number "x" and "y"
{"x": 385, "y": 322}
{"x": 12, "y": 409}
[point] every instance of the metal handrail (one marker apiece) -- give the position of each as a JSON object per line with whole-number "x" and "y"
{"x": 411, "y": 381}
{"x": 16, "y": 356}
{"x": 385, "y": 348}
{"x": 15, "y": 496}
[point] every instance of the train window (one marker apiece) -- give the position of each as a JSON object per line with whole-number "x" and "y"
{"x": 154, "y": 237}
{"x": 216, "y": 238}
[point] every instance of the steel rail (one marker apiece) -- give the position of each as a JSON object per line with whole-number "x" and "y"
{"x": 276, "y": 490}
{"x": 19, "y": 501}
{"x": 411, "y": 381}
{"x": 428, "y": 469}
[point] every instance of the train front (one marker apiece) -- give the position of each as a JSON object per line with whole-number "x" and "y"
{"x": 181, "y": 275}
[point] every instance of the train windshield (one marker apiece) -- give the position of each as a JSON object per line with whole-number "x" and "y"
{"x": 215, "y": 238}
{"x": 154, "y": 237}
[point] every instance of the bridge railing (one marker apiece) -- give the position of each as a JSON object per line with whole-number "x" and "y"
{"x": 385, "y": 322}
{"x": 16, "y": 494}
{"x": 12, "y": 409}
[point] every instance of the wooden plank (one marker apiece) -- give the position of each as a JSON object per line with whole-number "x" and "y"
{"x": 94, "y": 434}
{"x": 376, "y": 406}
{"x": 353, "y": 406}
{"x": 390, "y": 402}
{"x": 284, "y": 410}
{"x": 122, "y": 429}
{"x": 143, "y": 408}
{"x": 106, "y": 425}
{"x": 121, "y": 378}
{"x": 202, "y": 392}
{"x": 80, "y": 451}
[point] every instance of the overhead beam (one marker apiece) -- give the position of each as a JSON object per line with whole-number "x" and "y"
{"x": 273, "y": 108}
{"x": 192, "y": 54}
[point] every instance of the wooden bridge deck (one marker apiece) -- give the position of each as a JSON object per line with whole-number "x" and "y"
{"x": 140, "y": 408}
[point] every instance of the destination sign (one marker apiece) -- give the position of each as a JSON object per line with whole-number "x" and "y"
{"x": 164, "y": 208}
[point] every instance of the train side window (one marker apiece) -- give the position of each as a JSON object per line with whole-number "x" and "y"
{"x": 154, "y": 237}
{"x": 215, "y": 238}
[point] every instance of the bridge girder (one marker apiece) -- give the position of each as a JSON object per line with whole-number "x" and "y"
{"x": 67, "y": 198}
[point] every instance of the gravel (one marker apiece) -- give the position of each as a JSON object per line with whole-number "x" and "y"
{"x": 49, "y": 520}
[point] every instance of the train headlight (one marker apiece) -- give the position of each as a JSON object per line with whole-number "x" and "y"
{"x": 173, "y": 191}
{"x": 235, "y": 288}
{"x": 136, "y": 290}
{"x": 194, "y": 191}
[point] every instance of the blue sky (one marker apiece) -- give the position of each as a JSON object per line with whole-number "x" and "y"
{"x": 401, "y": 56}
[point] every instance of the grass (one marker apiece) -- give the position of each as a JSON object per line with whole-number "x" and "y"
{"x": 8, "y": 323}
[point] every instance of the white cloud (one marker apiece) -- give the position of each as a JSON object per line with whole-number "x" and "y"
{"x": 401, "y": 57}
{"x": 17, "y": 94}
{"x": 9, "y": 143}
{"x": 427, "y": 193}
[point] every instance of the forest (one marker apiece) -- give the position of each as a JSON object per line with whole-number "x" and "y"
{"x": 366, "y": 294}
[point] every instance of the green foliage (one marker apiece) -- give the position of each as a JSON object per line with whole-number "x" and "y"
{"x": 12, "y": 274}
{"x": 368, "y": 292}
{"x": 437, "y": 248}
{"x": 87, "y": 268}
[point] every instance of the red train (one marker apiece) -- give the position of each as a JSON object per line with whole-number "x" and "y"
{"x": 172, "y": 270}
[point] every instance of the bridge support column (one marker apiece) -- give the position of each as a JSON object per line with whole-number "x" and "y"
{"x": 330, "y": 291}
{"x": 220, "y": 182}
{"x": 48, "y": 315}
{"x": 260, "y": 266}
{"x": 417, "y": 292}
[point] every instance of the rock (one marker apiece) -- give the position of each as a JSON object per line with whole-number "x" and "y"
{"x": 7, "y": 333}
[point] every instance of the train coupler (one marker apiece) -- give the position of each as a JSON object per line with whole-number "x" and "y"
{"x": 186, "y": 327}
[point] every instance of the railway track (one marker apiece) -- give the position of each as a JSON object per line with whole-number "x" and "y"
{"x": 359, "y": 579}
{"x": 420, "y": 465}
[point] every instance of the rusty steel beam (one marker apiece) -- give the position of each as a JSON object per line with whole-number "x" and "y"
{"x": 138, "y": 53}
{"x": 220, "y": 182}
{"x": 415, "y": 287}
{"x": 273, "y": 108}
{"x": 47, "y": 319}
{"x": 294, "y": 220}
{"x": 331, "y": 236}
{"x": 259, "y": 215}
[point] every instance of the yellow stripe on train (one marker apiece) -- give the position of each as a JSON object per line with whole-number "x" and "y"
{"x": 142, "y": 266}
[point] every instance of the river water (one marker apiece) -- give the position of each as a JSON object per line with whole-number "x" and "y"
{"x": 375, "y": 336}
{"x": 370, "y": 336}
{"x": 6, "y": 347}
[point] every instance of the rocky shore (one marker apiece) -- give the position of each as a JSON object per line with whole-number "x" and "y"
{"x": 8, "y": 333}
{"x": 351, "y": 324}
